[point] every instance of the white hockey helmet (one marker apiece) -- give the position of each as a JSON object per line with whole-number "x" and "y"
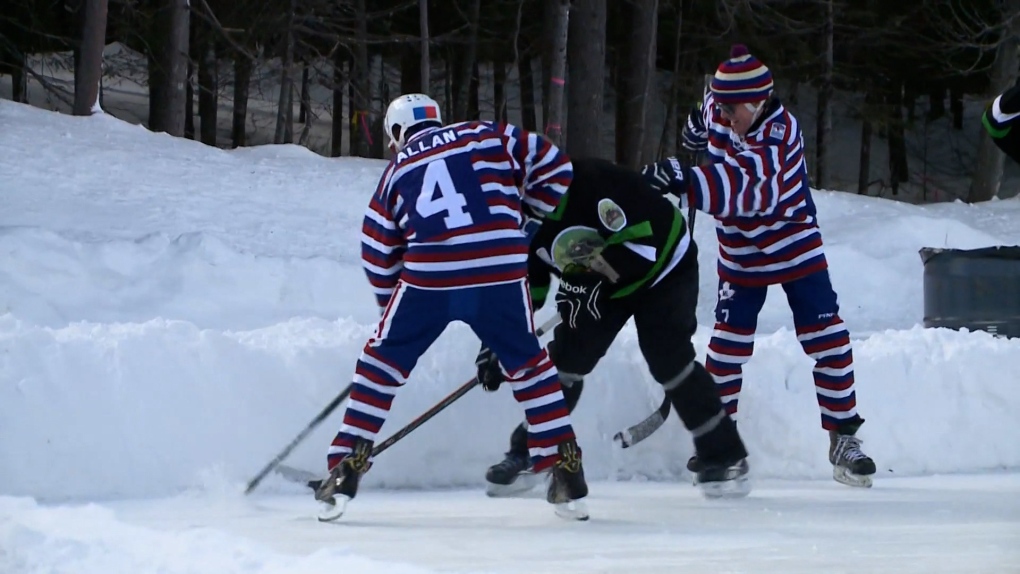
{"x": 406, "y": 112}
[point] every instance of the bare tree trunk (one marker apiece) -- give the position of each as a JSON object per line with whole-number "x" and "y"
{"x": 936, "y": 103}
{"x": 824, "y": 123}
{"x": 462, "y": 103}
{"x": 306, "y": 109}
{"x": 898, "y": 167}
{"x": 360, "y": 86}
{"x": 557, "y": 71}
{"x": 448, "y": 80}
{"x": 88, "y": 73}
{"x": 426, "y": 71}
{"x": 304, "y": 116}
{"x": 474, "y": 107}
{"x": 586, "y": 52}
{"x": 353, "y": 127}
{"x": 637, "y": 79}
{"x": 500, "y": 73}
{"x": 410, "y": 70}
{"x": 498, "y": 87}
{"x": 864, "y": 165}
{"x": 288, "y": 124}
{"x": 548, "y": 38}
{"x": 189, "y": 103}
{"x": 242, "y": 79}
{"x": 673, "y": 103}
{"x": 208, "y": 92}
{"x": 168, "y": 70}
{"x": 378, "y": 141}
{"x": 524, "y": 71}
{"x": 336, "y": 143}
{"x": 284, "y": 108}
{"x": 19, "y": 80}
{"x": 990, "y": 160}
{"x": 956, "y": 106}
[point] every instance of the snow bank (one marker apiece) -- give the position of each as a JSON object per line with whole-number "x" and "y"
{"x": 90, "y": 539}
{"x": 147, "y": 409}
{"x": 170, "y": 311}
{"x": 51, "y": 279}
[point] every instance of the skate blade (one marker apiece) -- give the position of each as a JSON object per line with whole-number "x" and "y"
{"x": 573, "y": 510}
{"x": 726, "y": 489}
{"x": 524, "y": 482}
{"x": 332, "y": 512}
{"x": 844, "y": 476}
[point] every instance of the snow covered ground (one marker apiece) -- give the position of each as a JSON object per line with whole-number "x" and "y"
{"x": 171, "y": 315}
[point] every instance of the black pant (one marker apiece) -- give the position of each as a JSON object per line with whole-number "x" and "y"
{"x": 666, "y": 320}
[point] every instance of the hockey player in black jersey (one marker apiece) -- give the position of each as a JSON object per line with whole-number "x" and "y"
{"x": 1000, "y": 119}
{"x": 621, "y": 250}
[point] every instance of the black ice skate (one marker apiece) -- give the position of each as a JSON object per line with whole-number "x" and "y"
{"x": 511, "y": 477}
{"x": 723, "y": 480}
{"x": 568, "y": 487}
{"x": 343, "y": 481}
{"x": 693, "y": 464}
{"x": 850, "y": 466}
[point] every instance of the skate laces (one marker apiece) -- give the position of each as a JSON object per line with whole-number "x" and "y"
{"x": 848, "y": 447}
{"x": 358, "y": 461}
{"x": 570, "y": 458}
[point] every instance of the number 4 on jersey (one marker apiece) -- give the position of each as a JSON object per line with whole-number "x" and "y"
{"x": 437, "y": 178}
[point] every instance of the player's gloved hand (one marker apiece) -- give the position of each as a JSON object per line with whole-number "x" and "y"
{"x": 580, "y": 298}
{"x": 489, "y": 374}
{"x": 666, "y": 176}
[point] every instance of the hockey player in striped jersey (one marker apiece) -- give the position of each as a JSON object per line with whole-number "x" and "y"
{"x": 999, "y": 120}
{"x": 621, "y": 250}
{"x": 442, "y": 241}
{"x": 756, "y": 186}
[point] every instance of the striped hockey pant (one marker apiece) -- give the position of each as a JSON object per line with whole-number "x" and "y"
{"x": 820, "y": 331}
{"x": 501, "y": 316}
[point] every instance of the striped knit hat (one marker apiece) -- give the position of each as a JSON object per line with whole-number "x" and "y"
{"x": 741, "y": 79}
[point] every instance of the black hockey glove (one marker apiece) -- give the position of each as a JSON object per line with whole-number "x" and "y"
{"x": 666, "y": 176}
{"x": 489, "y": 374}
{"x": 580, "y": 298}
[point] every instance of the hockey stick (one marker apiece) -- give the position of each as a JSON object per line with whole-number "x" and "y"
{"x": 253, "y": 483}
{"x": 644, "y": 429}
{"x": 437, "y": 408}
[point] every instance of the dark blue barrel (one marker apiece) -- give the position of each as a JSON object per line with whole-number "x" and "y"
{"x": 977, "y": 289}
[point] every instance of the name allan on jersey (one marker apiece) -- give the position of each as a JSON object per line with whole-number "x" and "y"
{"x": 421, "y": 146}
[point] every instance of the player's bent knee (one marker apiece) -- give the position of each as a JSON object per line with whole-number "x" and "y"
{"x": 666, "y": 364}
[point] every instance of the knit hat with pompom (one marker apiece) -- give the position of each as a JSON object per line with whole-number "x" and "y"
{"x": 741, "y": 79}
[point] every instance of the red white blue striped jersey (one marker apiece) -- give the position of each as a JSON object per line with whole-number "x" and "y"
{"x": 447, "y": 211}
{"x": 757, "y": 189}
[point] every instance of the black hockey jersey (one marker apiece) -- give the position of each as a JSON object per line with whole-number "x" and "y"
{"x": 609, "y": 217}
{"x": 1002, "y": 120}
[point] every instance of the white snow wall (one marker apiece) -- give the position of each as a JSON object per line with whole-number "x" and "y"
{"x": 94, "y": 410}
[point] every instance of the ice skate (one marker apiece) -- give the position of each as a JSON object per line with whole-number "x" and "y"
{"x": 511, "y": 477}
{"x": 567, "y": 489}
{"x": 724, "y": 480}
{"x": 850, "y": 466}
{"x": 342, "y": 485}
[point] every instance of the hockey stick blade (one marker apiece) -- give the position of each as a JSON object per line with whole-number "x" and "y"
{"x": 644, "y": 429}
{"x": 299, "y": 476}
{"x": 254, "y": 482}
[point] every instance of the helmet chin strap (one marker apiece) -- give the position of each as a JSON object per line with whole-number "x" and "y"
{"x": 398, "y": 144}
{"x": 756, "y": 110}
